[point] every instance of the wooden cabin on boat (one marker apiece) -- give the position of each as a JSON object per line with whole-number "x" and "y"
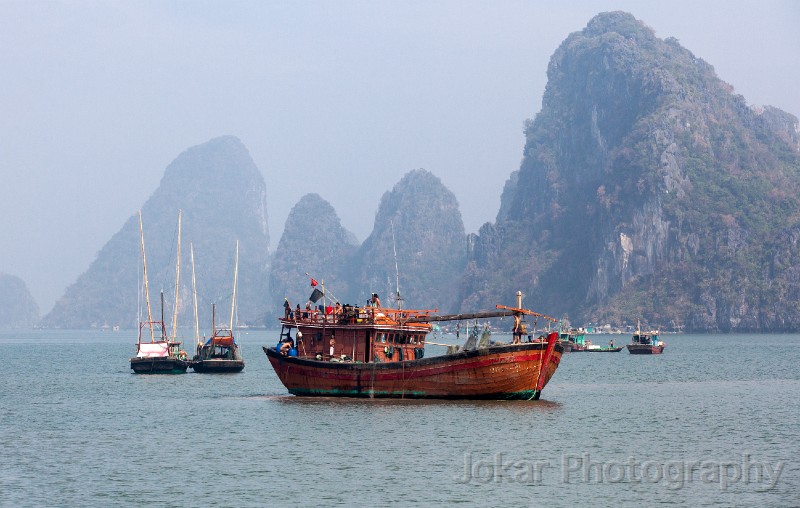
{"x": 358, "y": 334}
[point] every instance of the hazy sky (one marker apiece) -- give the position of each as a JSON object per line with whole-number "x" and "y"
{"x": 336, "y": 97}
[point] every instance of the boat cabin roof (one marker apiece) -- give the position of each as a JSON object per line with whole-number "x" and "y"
{"x": 360, "y": 317}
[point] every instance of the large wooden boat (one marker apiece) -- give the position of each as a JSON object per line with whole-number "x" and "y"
{"x": 161, "y": 355}
{"x": 645, "y": 343}
{"x": 220, "y": 353}
{"x": 380, "y": 352}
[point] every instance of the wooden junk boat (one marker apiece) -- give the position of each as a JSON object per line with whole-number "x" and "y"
{"x": 645, "y": 343}
{"x": 220, "y": 353}
{"x": 161, "y": 355}
{"x": 380, "y": 352}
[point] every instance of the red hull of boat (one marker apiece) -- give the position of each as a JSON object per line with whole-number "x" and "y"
{"x": 499, "y": 372}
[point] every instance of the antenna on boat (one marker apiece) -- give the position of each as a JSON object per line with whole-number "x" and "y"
{"x": 146, "y": 287}
{"x": 177, "y": 281}
{"x": 235, "y": 276}
{"x": 194, "y": 296}
{"x": 396, "y": 269}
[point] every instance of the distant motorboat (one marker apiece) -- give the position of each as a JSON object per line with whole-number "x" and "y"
{"x": 645, "y": 343}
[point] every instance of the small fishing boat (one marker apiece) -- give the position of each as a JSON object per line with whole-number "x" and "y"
{"x": 572, "y": 339}
{"x": 380, "y": 352}
{"x": 158, "y": 356}
{"x": 597, "y": 348}
{"x": 220, "y": 353}
{"x": 645, "y": 343}
{"x": 161, "y": 355}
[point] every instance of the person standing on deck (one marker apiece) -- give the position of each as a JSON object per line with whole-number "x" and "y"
{"x": 517, "y": 331}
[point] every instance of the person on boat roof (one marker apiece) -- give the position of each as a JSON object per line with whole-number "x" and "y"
{"x": 287, "y": 308}
{"x": 375, "y": 301}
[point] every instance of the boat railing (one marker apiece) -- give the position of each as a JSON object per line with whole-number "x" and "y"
{"x": 357, "y": 315}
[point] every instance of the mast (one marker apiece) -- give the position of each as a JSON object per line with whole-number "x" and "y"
{"x": 235, "y": 277}
{"x": 396, "y": 269}
{"x": 194, "y": 296}
{"x": 163, "y": 330}
{"x": 213, "y": 319}
{"x": 146, "y": 287}
{"x": 177, "y": 281}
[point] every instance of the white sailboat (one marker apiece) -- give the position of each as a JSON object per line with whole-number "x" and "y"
{"x": 162, "y": 354}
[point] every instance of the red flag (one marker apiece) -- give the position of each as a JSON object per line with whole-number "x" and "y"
{"x": 313, "y": 282}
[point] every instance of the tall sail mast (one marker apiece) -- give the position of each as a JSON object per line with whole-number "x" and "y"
{"x": 177, "y": 281}
{"x": 163, "y": 330}
{"x": 194, "y": 296}
{"x": 396, "y": 270}
{"x": 235, "y": 277}
{"x": 146, "y": 288}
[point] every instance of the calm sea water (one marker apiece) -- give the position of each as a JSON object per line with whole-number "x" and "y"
{"x": 714, "y": 421}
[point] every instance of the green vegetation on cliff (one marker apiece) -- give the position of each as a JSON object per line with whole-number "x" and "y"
{"x": 647, "y": 189}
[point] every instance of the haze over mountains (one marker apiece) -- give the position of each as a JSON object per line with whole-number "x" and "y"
{"x": 222, "y": 196}
{"x": 18, "y": 309}
{"x": 647, "y": 189}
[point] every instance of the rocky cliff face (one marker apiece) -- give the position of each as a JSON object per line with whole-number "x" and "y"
{"x": 430, "y": 241}
{"x": 222, "y": 196}
{"x": 419, "y": 218}
{"x": 313, "y": 242}
{"x": 18, "y": 309}
{"x": 648, "y": 189}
